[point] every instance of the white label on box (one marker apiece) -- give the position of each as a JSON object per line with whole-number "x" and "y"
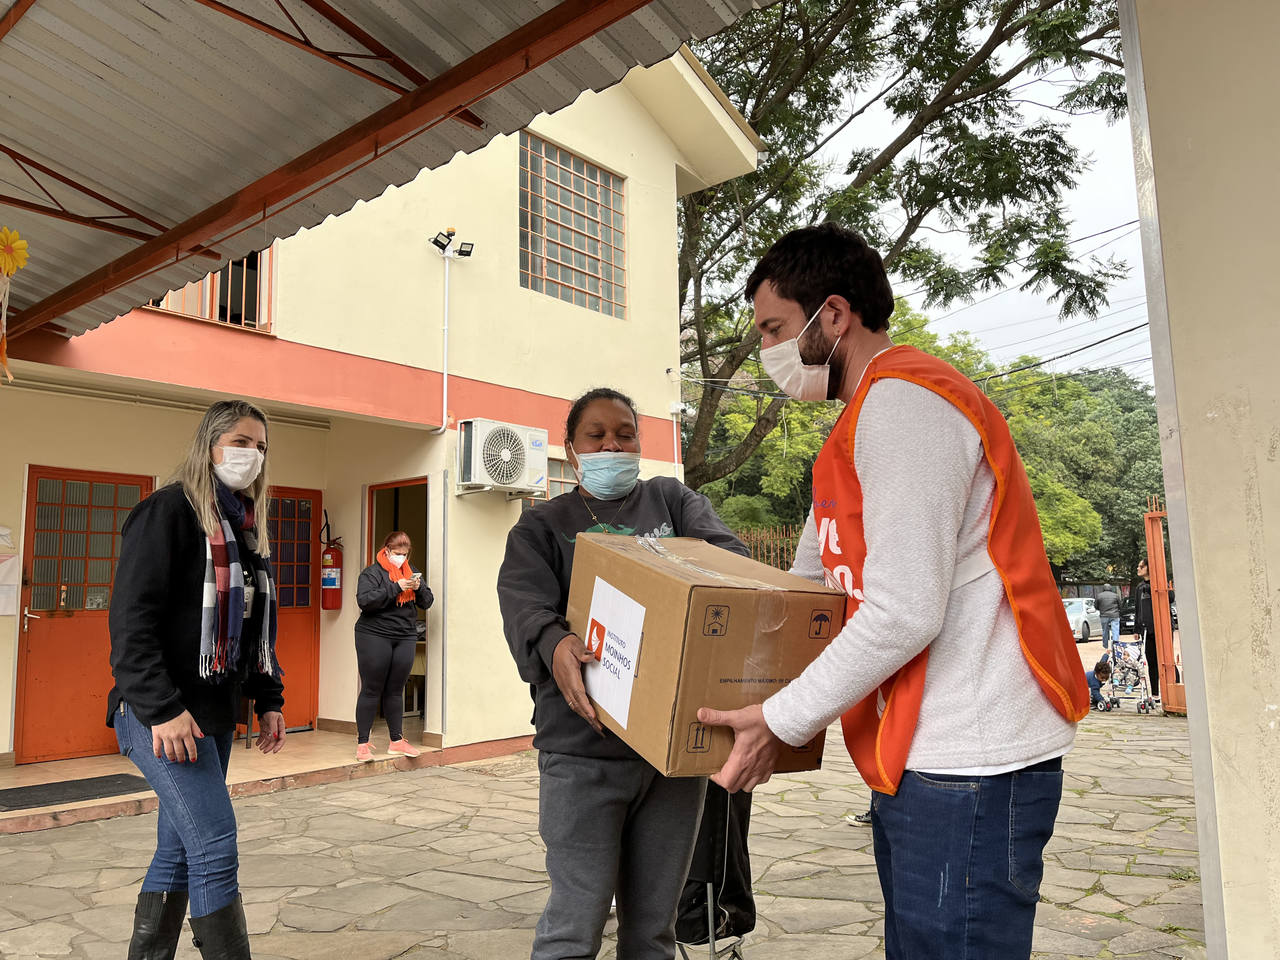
{"x": 614, "y": 627}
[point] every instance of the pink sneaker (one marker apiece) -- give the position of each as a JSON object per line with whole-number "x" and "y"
{"x": 404, "y": 748}
{"x": 364, "y": 752}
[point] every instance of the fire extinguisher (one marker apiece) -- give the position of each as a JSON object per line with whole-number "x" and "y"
{"x": 330, "y": 569}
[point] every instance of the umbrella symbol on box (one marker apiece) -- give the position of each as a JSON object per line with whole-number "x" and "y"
{"x": 716, "y": 622}
{"x": 820, "y": 625}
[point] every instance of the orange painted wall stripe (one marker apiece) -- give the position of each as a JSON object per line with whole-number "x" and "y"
{"x": 204, "y": 355}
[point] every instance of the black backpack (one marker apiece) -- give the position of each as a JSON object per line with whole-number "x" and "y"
{"x": 720, "y": 858}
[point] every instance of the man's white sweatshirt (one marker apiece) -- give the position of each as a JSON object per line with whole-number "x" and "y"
{"x": 927, "y": 581}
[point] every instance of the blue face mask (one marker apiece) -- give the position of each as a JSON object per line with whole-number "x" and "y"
{"x": 608, "y": 475}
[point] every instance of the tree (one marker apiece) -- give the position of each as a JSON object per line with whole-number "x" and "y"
{"x": 1094, "y": 433}
{"x": 954, "y": 76}
{"x": 1089, "y": 441}
{"x": 773, "y": 483}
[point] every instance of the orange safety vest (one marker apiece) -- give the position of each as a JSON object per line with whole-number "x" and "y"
{"x": 878, "y": 730}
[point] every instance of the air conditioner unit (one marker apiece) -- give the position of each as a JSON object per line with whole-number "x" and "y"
{"x": 501, "y": 456}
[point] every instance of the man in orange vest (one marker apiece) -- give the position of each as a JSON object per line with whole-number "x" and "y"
{"x": 956, "y": 674}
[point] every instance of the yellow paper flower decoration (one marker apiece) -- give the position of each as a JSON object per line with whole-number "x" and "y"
{"x": 13, "y": 252}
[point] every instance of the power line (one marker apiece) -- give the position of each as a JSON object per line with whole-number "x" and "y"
{"x": 738, "y": 390}
{"x": 1003, "y": 291}
{"x": 1045, "y": 316}
{"x": 1068, "y": 375}
{"x": 984, "y": 380}
{"x": 1076, "y": 375}
{"x": 1025, "y": 257}
{"x": 1068, "y": 340}
{"x": 1041, "y": 363}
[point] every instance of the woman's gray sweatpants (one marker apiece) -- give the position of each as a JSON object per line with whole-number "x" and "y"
{"x": 613, "y": 827}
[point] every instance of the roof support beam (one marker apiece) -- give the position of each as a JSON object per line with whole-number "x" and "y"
{"x": 301, "y": 41}
{"x": 59, "y": 211}
{"x": 13, "y": 15}
{"x": 384, "y": 53}
{"x": 525, "y": 49}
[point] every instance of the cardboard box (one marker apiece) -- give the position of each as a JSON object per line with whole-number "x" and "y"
{"x": 676, "y": 624}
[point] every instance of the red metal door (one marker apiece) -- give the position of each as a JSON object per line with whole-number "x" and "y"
{"x": 294, "y": 528}
{"x": 70, "y": 546}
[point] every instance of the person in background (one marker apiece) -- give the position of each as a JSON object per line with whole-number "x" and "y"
{"x": 611, "y": 823}
{"x": 1108, "y": 602}
{"x": 1099, "y": 675}
{"x": 1144, "y": 626}
{"x": 389, "y": 593}
{"x": 193, "y": 624}
{"x": 923, "y": 513}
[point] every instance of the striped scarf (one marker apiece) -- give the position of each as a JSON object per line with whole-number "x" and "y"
{"x": 222, "y": 616}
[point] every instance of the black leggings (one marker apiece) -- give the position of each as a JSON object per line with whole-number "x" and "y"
{"x": 1153, "y": 662}
{"x": 384, "y": 670}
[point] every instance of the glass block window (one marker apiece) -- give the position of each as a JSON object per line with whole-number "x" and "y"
{"x": 293, "y": 558}
{"x": 77, "y": 541}
{"x": 572, "y": 228}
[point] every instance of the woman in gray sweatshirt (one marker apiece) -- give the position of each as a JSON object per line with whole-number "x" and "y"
{"x": 613, "y": 826}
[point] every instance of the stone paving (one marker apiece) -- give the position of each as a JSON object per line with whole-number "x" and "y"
{"x": 445, "y": 863}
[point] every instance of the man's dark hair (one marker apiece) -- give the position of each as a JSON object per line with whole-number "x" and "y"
{"x": 812, "y": 263}
{"x": 584, "y": 401}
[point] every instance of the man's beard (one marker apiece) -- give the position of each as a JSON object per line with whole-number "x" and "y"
{"x": 815, "y": 348}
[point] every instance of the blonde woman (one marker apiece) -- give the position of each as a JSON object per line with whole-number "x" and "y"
{"x": 193, "y": 622}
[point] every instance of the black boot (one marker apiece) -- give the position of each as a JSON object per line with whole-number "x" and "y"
{"x": 222, "y": 934}
{"x": 157, "y": 924}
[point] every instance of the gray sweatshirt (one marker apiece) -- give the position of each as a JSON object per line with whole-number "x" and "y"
{"x": 533, "y": 589}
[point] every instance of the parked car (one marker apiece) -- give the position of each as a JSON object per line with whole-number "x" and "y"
{"x": 1082, "y": 614}
{"x": 1127, "y": 617}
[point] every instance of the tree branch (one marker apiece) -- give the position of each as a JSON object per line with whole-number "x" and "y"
{"x": 705, "y": 472}
{"x": 1105, "y": 58}
{"x": 948, "y": 95}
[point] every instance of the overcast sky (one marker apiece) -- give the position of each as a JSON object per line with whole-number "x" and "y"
{"x": 1013, "y": 323}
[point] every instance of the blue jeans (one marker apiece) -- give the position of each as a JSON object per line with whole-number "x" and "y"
{"x": 960, "y": 860}
{"x": 196, "y": 827}
{"x": 1110, "y": 631}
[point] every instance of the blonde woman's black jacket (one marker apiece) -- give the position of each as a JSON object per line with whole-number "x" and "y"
{"x": 155, "y": 624}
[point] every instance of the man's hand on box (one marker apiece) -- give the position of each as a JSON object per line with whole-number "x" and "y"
{"x": 755, "y": 748}
{"x": 571, "y": 653}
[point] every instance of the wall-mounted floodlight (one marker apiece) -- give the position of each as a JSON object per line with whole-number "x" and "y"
{"x": 442, "y": 241}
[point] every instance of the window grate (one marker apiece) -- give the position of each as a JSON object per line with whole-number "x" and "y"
{"x": 572, "y": 228}
{"x": 560, "y": 479}
{"x": 73, "y": 564}
{"x": 290, "y": 526}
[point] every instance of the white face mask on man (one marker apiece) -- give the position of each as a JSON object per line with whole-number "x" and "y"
{"x": 785, "y": 367}
{"x": 240, "y": 466}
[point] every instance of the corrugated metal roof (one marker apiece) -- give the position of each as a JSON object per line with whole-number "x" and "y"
{"x": 168, "y": 106}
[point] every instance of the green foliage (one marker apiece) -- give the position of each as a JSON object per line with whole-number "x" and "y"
{"x": 954, "y": 77}
{"x": 741, "y": 512}
{"x": 1095, "y": 433}
{"x": 1089, "y": 441}
{"x": 1069, "y": 524}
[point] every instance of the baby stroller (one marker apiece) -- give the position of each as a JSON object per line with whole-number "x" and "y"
{"x": 1129, "y": 670}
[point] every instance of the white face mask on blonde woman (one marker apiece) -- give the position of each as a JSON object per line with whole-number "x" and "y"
{"x": 240, "y": 466}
